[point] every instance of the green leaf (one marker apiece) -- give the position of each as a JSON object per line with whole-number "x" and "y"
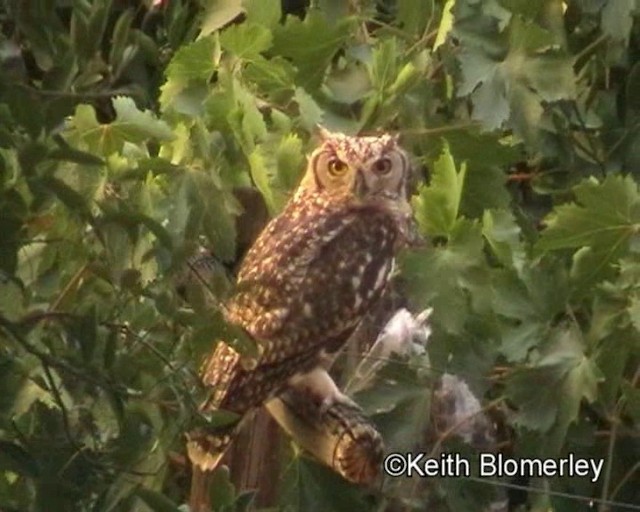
{"x": 549, "y": 394}
{"x": 246, "y": 40}
{"x": 528, "y": 300}
{"x": 69, "y": 154}
{"x": 73, "y": 200}
{"x": 130, "y": 125}
{"x": 12, "y": 300}
{"x": 436, "y": 206}
{"x": 272, "y": 76}
{"x": 501, "y": 232}
{"x": 206, "y": 207}
{"x": 617, "y": 22}
{"x": 262, "y": 177}
{"x": 443, "y": 277}
{"x": 290, "y": 161}
{"x": 265, "y": 12}
{"x": 311, "y": 115}
{"x": 222, "y": 492}
{"x": 246, "y": 120}
{"x": 349, "y": 85}
{"x": 135, "y": 125}
{"x": 120, "y": 37}
{"x": 188, "y": 75}
{"x": 14, "y": 458}
{"x": 383, "y": 70}
{"x": 508, "y": 76}
{"x": 156, "y": 501}
{"x": 218, "y": 13}
{"x": 601, "y": 224}
{"x": 517, "y": 341}
{"x": 606, "y": 213}
{"x": 413, "y": 15}
{"x": 195, "y": 61}
{"x": 307, "y": 482}
{"x": 310, "y": 44}
{"x": 632, "y": 402}
{"x": 84, "y": 331}
{"x": 633, "y": 310}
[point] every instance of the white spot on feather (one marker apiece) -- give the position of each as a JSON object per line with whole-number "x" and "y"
{"x": 382, "y": 276}
{"x": 306, "y": 310}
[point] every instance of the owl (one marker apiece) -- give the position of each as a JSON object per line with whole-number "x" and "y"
{"x": 309, "y": 279}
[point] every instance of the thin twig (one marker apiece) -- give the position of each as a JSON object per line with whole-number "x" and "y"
{"x": 615, "y": 421}
{"x": 589, "y": 48}
{"x": 75, "y": 279}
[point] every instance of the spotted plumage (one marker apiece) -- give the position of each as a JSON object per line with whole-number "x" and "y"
{"x": 312, "y": 275}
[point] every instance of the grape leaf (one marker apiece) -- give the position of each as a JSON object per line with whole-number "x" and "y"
{"x": 549, "y": 393}
{"x": 606, "y": 213}
{"x": 247, "y": 40}
{"x": 218, "y": 13}
{"x": 311, "y": 115}
{"x": 310, "y": 44}
{"x": 265, "y": 12}
{"x": 510, "y": 66}
{"x": 601, "y": 224}
{"x": 443, "y": 276}
{"x": 503, "y": 236}
{"x": 130, "y": 125}
{"x": 192, "y": 63}
{"x": 436, "y": 205}
{"x": 290, "y": 161}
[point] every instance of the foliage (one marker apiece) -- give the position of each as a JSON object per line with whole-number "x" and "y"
{"x": 126, "y": 133}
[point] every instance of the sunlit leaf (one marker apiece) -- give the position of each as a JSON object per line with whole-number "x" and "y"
{"x": 246, "y": 41}
{"x": 437, "y": 204}
{"x": 218, "y": 13}
{"x": 130, "y": 125}
{"x": 266, "y": 12}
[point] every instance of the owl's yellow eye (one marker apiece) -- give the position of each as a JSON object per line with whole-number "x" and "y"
{"x": 382, "y": 166}
{"x": 337, "y": 167}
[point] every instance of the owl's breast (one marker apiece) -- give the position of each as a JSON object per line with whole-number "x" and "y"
{"x": 313, "y": 275}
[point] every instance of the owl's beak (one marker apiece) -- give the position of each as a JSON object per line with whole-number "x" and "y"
{"x": 360, "y": 188}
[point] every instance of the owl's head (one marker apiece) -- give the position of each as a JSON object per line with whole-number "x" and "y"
{"x": 365, "y": 167}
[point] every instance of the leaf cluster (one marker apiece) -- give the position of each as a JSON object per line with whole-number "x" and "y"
{"x": 131, "y": 135}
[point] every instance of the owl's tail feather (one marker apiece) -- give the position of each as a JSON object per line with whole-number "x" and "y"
{"x": 206, "y": 447}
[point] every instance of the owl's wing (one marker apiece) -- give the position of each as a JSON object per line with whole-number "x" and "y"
{"x": 305, "y": 284}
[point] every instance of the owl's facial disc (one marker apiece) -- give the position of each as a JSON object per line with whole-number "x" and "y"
{"x": 367, "y": 167}
{"x": 384, "y": 175}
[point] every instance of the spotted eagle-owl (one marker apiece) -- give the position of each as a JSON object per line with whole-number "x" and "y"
{"x": 309, "y": 279}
